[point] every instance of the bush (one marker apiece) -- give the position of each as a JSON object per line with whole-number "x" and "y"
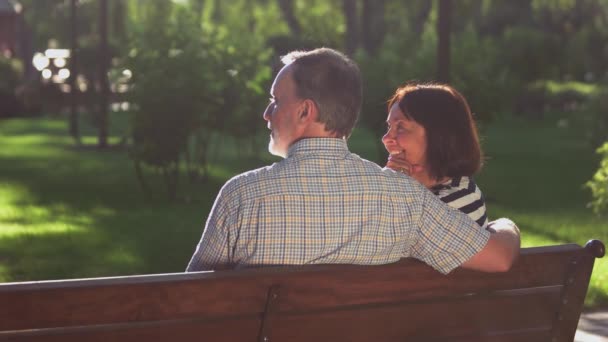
{"x": 187, "y": 84}
{"x": 597, "y": 122}
{"x": 9, "y": 105}
{"x": 167, "y": 87}
{"x": 599, "y": 183}
{"x": 10, "y": 76}
{"x": 489, "y": 85}
{"x": 10, "y": 73}
{"x": 536, "y": 54}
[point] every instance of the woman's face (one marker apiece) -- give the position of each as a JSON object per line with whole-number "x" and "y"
{"x": 405, "y": 142}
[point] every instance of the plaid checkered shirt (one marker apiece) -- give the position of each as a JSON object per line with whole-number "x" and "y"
{"x": 325, "y": 205}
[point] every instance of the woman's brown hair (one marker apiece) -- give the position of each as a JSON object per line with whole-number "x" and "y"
{"x": 453, "y": 148}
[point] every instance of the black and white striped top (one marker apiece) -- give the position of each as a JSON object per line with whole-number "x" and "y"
{"x": 463, "y": 194}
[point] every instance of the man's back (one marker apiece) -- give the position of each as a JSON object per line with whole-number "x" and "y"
{"x": 323, "y": 204}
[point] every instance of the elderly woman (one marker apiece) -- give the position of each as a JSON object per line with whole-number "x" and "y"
{"x": 432, "y": 138}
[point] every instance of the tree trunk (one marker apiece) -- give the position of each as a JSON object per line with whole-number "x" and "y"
{"x": 477, "y": 13}
{"x": 119, "y": 21}
{"x": 373, "y": 28}
{"x": 74, "y": 129}
{"x": 102, "y": 141}
{"x": 443, "y": 46}
{"x": 171, "y": 175}
{"x": 197, "y": 7}
{"x": 216, "y": 16}
{"x": 421, "y": 17}
{"x": 349, "y": 8}
{"x": 287, "y": 11}
{"x": 140, "y": 178}
{"x": 24, "y": 51}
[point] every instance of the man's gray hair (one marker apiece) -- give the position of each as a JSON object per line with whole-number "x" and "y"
{"x": 333, "y": 82}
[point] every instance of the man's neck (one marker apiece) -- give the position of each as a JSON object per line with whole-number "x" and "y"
{"x": 318, "y": 130}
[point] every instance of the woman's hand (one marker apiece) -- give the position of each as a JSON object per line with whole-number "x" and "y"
{"x": 399, "y": 167}
{"x": 403, "y": 166}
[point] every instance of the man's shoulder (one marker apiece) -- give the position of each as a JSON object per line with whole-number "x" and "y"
{"x": 247, "y": 178}
{"x": 287, "y": 175}
{"x": 257, "y": 182}
{"x": 387, "y": 180}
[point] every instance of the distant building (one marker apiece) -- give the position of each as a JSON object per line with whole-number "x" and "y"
{"x": 9, "y": 27}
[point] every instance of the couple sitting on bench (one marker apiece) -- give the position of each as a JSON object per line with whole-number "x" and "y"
{"x": 323, "y": 204}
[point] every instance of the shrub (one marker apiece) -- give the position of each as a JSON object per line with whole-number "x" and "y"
{"x": 10, "y": 76}
{"x": 536, "y": 54}
{"x": 478, "y": 72}
{"x": 190, "y": 83}
{"x": 10, "y": 73}
{"x": 597, "y": 122}
{"x": 599, "y": 183}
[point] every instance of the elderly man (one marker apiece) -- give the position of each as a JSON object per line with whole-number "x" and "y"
{"x": 323, "y": 204}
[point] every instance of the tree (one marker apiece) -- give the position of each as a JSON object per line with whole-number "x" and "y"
{"x": 349, "y": 8}
{"x": 74, "y": 129}
{"x": 443, "y": 46}
{"x": 599, "y": 183}
{"x": 197, "y": 8}
{"x": 368, "y": 30}
{"x": 421, "y": 16}
{"x": 214, "y": 90}
{"x": 287, "y": 10}
{"x": 102, "y": 141}
{"x": 372, "y": 25}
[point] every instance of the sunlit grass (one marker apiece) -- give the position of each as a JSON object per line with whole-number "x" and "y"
{"x": 556, "y": 87}
{"x": 68, "y": 212}
{"x": 579, "y": 87}
{"x": 535, "y": 175}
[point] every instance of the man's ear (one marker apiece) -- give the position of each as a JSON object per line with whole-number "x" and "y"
{"x": 308, "y": 111}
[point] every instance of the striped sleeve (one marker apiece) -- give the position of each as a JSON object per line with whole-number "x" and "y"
{"x": 463, "y": 194}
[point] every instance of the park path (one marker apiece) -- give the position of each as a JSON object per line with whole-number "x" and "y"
{"x": 593, "y": 327}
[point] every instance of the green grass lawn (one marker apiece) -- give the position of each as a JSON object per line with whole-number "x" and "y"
{"x": 535, "y": 174}
{"x": 67, "y": 212}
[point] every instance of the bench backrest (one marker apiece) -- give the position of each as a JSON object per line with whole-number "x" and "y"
{"x": 539, "y": 299}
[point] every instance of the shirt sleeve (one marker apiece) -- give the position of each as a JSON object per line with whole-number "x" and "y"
{"x": 446, "y": 237}
{"x": 466, "y": 197}
{"x": 214, "y": 250}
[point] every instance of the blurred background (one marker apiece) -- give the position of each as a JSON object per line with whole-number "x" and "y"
{"x": 121, "y": 119}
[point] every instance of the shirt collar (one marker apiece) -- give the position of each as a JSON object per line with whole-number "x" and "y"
{"x": 327, "y": 145}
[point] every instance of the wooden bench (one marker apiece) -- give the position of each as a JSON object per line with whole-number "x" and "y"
{"x": 540, "y": 299}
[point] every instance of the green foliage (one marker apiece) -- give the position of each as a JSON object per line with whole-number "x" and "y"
{"x": 564, "y": 5}
{"x": 535, "y": 53}
{"x": 10, "y": 77}
{"x": 313, "y": 15}
{"x": 11, "y": 71}
{"x": 597, "y": 117}
{"x": 189, "y": 82}
{"x": 599, "y": 183}
{"x": 166, "y": 83}
{"x": 481, "y": 75}
{"x": 548, "y": 96}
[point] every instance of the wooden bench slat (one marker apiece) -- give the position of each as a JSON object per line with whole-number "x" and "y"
{"x": 457, "y": 317}
{"x": 94, "y": 302}
{"x": 525, "y": 335}
{"x": 190, "y": 330}
{"x": 351, "y": 324}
